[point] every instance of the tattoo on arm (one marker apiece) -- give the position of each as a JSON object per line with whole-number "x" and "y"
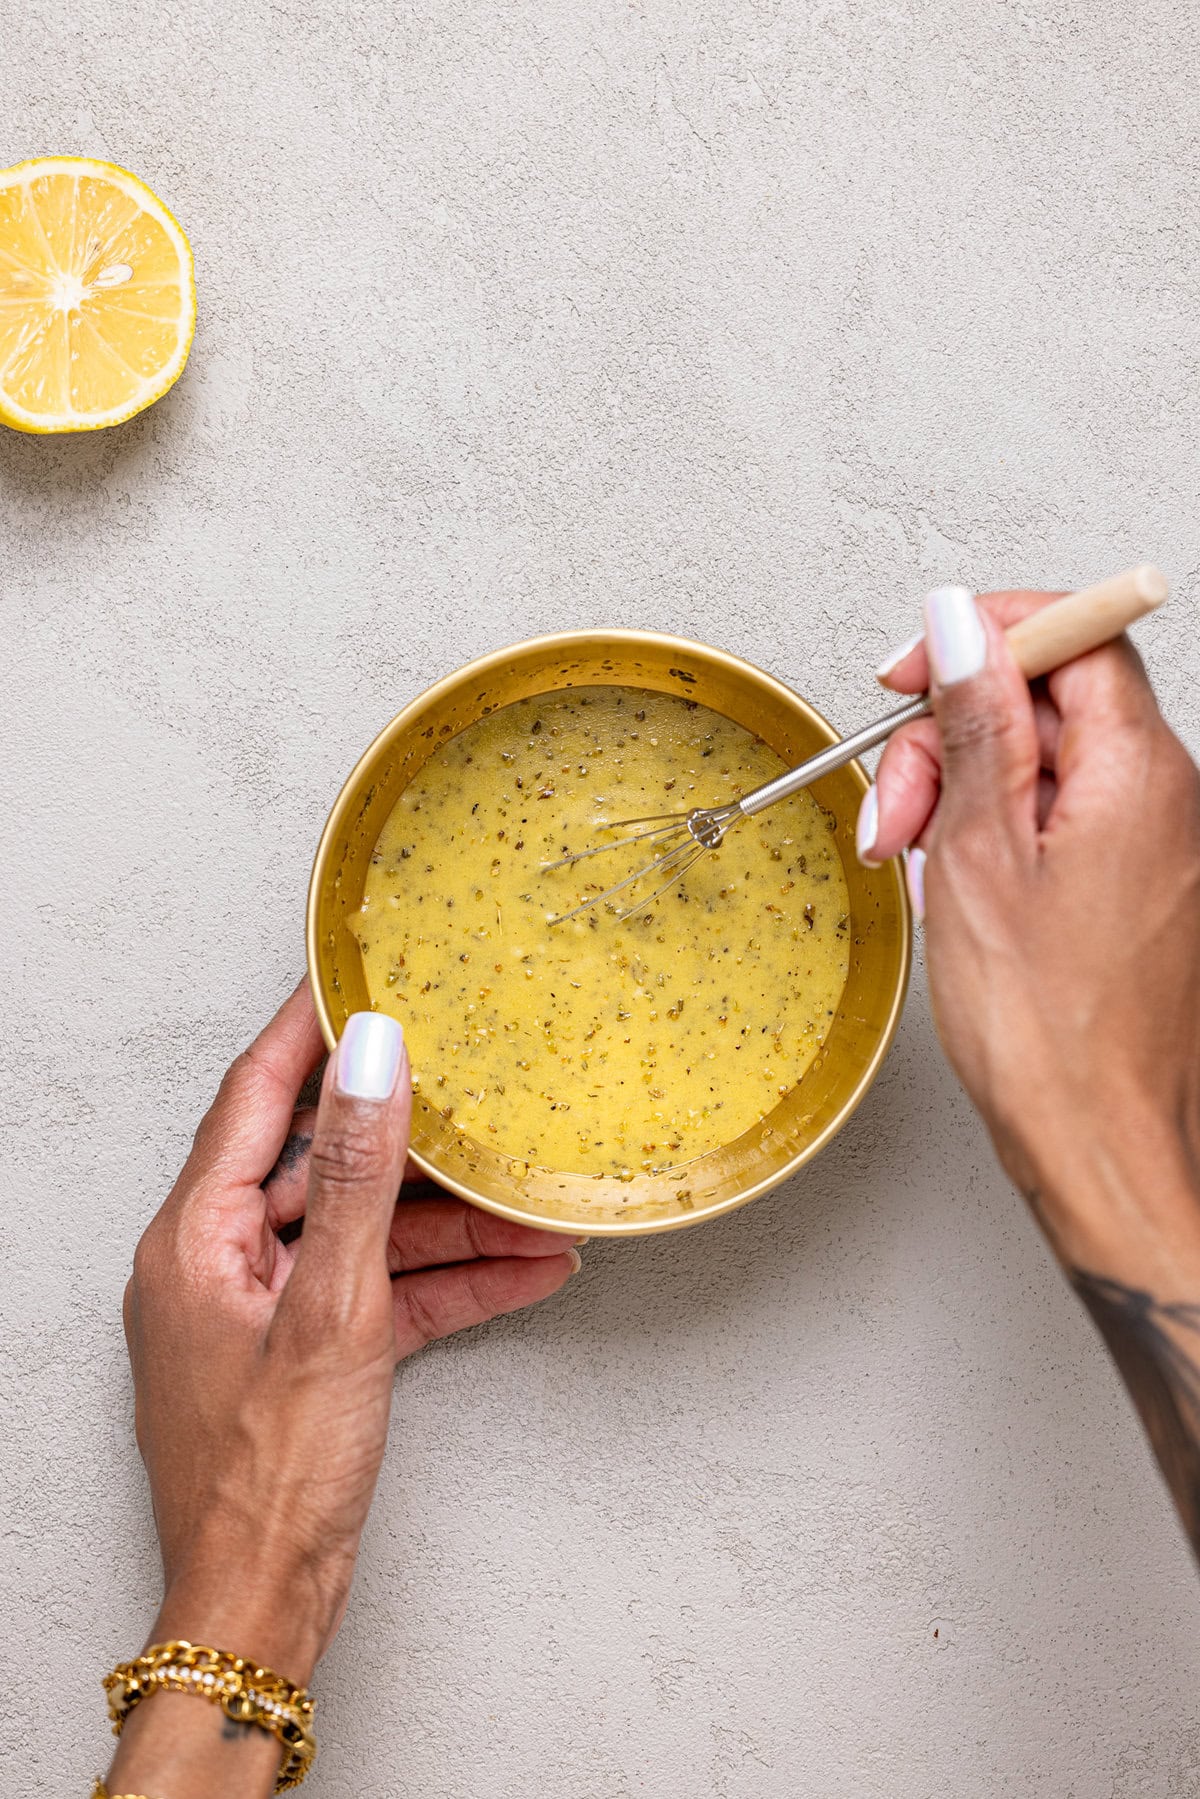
{"x": 234, "y": 1730}
{"x": 1157, "y": 1349}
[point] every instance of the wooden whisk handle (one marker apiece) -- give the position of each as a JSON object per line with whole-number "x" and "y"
{"x": 1083, "y": 621}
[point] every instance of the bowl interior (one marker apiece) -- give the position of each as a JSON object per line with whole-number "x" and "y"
{"x": 879, "y": 952}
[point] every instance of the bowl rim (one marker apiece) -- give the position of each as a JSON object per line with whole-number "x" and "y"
{"x": 595, "y": 638}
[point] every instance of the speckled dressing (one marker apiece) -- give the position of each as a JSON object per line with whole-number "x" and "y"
{"x": 602, "y": 1044}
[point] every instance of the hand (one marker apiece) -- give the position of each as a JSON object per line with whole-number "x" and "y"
{"x": 1057, "y": 843}
{"x": 262, "y": 1367}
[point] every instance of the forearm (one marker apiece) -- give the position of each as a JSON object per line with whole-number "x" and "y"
{"x": 1155, "y": 1342}
{"x": 1122, "y": 1211}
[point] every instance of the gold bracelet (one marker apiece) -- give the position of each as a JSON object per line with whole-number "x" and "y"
{"x": 101, "y": 1792}
{"x": 245, "y": 1692}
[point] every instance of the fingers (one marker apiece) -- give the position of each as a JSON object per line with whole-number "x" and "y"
{"x": 438, "y": 1301}
{"x": 1048, "y": 721}
{"x": 1047, "y": 793}
{"x": 909, "y": 778}
{"x": 428, "y": 1228}
{"x": 906, "y": 670}
{"x": 985, "y": 718}
{"x": 246, "y": 1127}
{"x": 285, "y": 1188}
{"x": 429, "y": 1232}
{"x": 906, "y": 787}
{"x": 983, "y": 726}
{"x": 1098, "y": 696}
{"x": 356, "y": 1162}
{"x": 1111, "y": 736}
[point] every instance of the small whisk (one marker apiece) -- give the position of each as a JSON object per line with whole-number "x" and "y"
{"x": 1041, "y": 642}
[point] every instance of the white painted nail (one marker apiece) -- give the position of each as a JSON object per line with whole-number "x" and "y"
{"x": 576, "y": 1260}
{"x": 369, "y": 1053}
{"x": 957, "y": 639}
{"x": 897, "y": 656}
{"x": 914, "y": 870}
{"x": 867, "y": 828}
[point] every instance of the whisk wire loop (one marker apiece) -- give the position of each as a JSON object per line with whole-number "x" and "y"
{"x": 601, "y": 849}
{"x": 676, "y": 858}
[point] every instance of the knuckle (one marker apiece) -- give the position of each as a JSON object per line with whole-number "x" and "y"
{"x": 474, "y": 1230}
{"x": 491, "y": 1287}
{"x": 170, "y": 1260}
{"x": 976, "y": 725}
{"x": 249, "y": 1083}
{"x": 144, "y": 1257}
{"x": 1179, "y": 774}
{"x": 424, "y": 1323}
{"x": 239, "y": 1080}
{"x": 345, "y": 1157}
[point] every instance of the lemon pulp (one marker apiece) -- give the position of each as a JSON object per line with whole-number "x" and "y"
{"x": 97, "y": 302}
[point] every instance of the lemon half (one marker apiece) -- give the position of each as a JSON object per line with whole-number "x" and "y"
{"x": 97, "y": 301}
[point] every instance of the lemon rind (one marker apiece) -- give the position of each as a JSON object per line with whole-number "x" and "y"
{"x": 19, "y": 418}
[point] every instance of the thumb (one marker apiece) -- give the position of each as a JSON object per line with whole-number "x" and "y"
{"x": 356, "y": 1163}
{"x": 985, "y": 717}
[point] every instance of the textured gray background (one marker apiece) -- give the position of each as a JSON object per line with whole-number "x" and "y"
{"x": 747, "y": 320}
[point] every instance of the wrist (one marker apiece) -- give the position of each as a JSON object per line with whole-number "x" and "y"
{"x": 259, "y": 1630}
{"x": 1113, "y": 1180}
{"x": 271, "y": 1607}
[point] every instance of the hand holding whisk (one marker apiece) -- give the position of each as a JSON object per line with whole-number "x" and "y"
{"x": 1044, "y": 641}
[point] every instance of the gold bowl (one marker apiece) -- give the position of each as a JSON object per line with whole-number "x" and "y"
{"x": 869, "y": 1011}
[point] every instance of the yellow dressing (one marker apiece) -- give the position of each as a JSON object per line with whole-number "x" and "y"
{"x": 601, "y": 1046}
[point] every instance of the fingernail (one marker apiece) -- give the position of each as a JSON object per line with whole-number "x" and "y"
{"x": 914, "y": 870}
{"x": 369, "y": 1053}
{"x": 579, "y": 1239}
{"x": 867, "y": 828}
{"x": 955, "y": 633}
{"x": 897, "y": 656}
{"x": 576, "y": 1261}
